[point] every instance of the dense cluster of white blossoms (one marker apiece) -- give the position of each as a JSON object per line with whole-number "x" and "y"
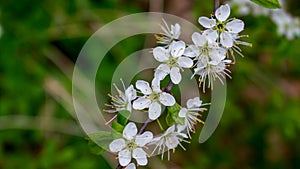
{"x": 209, "y": 56}
{"x": 288, "y": 25}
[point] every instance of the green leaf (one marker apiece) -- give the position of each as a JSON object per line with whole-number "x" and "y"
{"x": 169, "y": 120}
{"x": 268, "y": 3}
{"x": 117, "y": 129}
{"x": 99, "y": 142}
{"x": 123, "y": 117}
{"x": 172, "y": 116}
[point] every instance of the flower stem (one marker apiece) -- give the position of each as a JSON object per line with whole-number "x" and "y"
{"x": 159, "y": 124}
{"x": 144, "y": 126}
{"x": 168, "y": 88}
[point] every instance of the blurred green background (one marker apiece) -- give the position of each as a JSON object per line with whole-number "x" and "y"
{"x": 39, "y": 44}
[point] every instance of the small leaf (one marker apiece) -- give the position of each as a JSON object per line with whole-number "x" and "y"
{"x": 174, "y": 109}
{"x": 123, "y": 117}
{"x": 268, "y": 3}
{"x": 117, "y": 129}
{"x": 169, "y": 120}
{"x": 99, "y": 142}
{"x": 172, "y": 115}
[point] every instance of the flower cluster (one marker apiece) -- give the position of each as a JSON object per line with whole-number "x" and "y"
{"x": 209, "y": 56}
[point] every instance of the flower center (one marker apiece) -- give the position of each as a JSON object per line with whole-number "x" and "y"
{"x": 220, "y": 27}
{"x": 172, "y": 61}
{"x": 131, "y": 145}
{"x": 154, "y": 96}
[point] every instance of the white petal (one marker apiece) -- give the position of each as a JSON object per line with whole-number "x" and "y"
{"x": 128, "y": 106}
{"x": 180, "y": 128}
{"x": 155, "y": 84}
{"x": 170, "y": 130}
{"x": 143, "y": 86}
{"x": 161, "y": 54}
{"x": 141, "y": 103}
{"x": 172, "y": 142}
{"x": 175, "y": 30}
{"x": 226, "y": 40}
{"x": 175, "y": 75}
{"x": 162, "y": 71}
{"x": 177, "y": 48}
{"x": 185, "y": 62}
{"x": 214, "y": 62}
{"x": 198, "y": 39}
{"x": 211, "y": 35}
{"x": 206, "y": 22}
{"x": 167, "y": 99}
{"x": 142, "y": 140}
{"x": 192, "y": 51}
{"x": 235, "y": 26}
{"x": 130, "y": 93}
{"x": 117, "y": 145}
{"x": 182, "y": 112}
{"x": 124, "y": 157}
{"x": 130, "y": 131}
{"x": 154, "y": 111}
{"x": 223, "y": 12}
{"x": 195, "y": 102}
{"x": 141, "y": 156}
{"x": 131, "y": 166}
{"x": 218, "y": 54}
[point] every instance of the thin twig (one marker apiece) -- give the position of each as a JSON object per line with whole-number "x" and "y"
{"x": 144, "y": 126}
{"x": 119, "y": 167}
{"x": 216, "y": 5}
{"x": 168, "y": 88}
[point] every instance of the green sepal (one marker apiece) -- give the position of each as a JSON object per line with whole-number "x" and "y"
{"x": 268, "y": 3}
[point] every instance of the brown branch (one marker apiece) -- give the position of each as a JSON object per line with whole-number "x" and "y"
{"x": 216, "y": 5}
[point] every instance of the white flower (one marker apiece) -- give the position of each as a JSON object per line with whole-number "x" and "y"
{"x": 169, "y": 140}
{"x": 131, "y": 166}
{"x": 212, "y": 68}
{"x": 210, "y": 57}
{"x": 153, "y": 98}
{"x": 204, "y": 45}
{"x": 223, "y": 27}
{"x": 190, "y": 114}
{"x": 172, "y": 61}
{"x": 121, "y": 101}
{"x": 131, "y": 145}
{"x": 245, "y": 7}
{"x": 169, "y": 34}
{"x": 288, "y": 25}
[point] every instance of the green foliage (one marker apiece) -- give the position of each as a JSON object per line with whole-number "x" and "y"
{"x": 172, "y": 115}
{"x": 268, "y": 3}
{"x": 117, "y": 129}
{"x": 99, "y": 142}
{"x": 123, "y": 117}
